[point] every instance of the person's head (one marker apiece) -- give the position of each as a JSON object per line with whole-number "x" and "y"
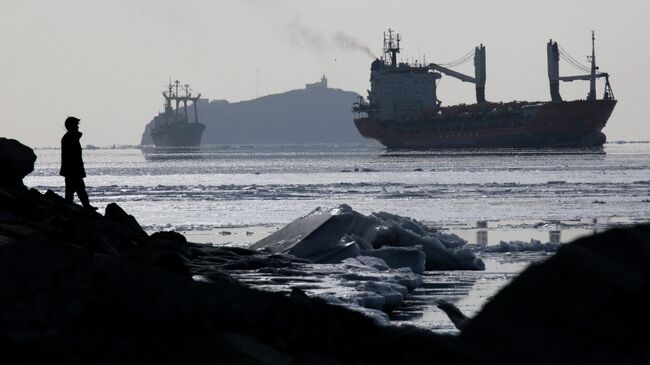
{"x": 72, "y": 123}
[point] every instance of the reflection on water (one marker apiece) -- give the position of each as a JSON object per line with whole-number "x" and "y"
{"x": 152, "y": 153}
{"x": 554, "y": 236}
{"x": 481, "y": 237}
{"x": 217, "y": 151}
{"x": 553, "y": 231}
{"x": 468, "y": 290}
{"x": 496, "y": 152}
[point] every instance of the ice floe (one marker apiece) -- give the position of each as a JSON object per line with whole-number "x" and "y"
{"x": 363, "y": 283}
{"x": 332, "y": 235}
{"x": 519, "y": 246}
{"x": 366, "y": 262}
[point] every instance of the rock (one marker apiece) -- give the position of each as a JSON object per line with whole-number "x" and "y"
{"x": 231, "y": 348}
{"x": 116, "y": 214}
{"x": 173, "y": 241}
{"x": 63, "y": 306}
{"x": 586, "y": 304}
{"x": 165, "y": 259}
{"x": 297, "y": 294}
{"x": 169, "y": 236}
{"x": 16, "y": 230}
{"x": 455, "y": 315}
{"x": 16, "y": 161}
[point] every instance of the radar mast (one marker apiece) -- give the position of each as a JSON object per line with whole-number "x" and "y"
{"x": 391, "y": 46}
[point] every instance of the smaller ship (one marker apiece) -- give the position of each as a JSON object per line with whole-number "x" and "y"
{"x": 172, "y": 127}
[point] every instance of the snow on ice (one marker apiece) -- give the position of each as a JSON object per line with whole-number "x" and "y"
{"x": 369, "y": 263}
{"x": 332, "y": 235}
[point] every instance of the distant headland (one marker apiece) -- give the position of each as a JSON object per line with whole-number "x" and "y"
{"x": 315, "y": 114}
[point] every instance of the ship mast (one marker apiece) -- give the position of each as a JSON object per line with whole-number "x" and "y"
{"x": 172, "y": 94}
{"x": 391, "y": 46}
{"x": 185, "y": 98}
{"x": 592, "y": 79}
{"x": 168, "y": 97}
{"x": 177, "y": 100}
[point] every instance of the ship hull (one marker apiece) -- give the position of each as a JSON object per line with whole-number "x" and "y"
{"x": 178, "y": 135}
{"x": 554, "y": 124}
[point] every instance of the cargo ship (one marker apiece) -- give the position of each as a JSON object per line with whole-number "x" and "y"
{"x": 402, "y": 110}
{"x": 173, "y": 128}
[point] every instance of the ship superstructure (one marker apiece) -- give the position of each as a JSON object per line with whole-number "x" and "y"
{"x": 171, "y": 128}
{"x": 403, "y": 110}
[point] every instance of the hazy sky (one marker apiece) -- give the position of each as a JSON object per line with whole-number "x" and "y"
{"x": 106, "y": 62}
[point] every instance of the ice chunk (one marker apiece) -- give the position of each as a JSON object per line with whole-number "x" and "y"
{"x": 396, "y": 257}
{"x": 393, "y": 296}
{"x": 451, "y": 240}
{"x": 328, "y": 236}
{"x": 521, "y": 246}
{"x": 371, "y": 300}
{"x": 338, "y": 253}
{"x": 201, "y": 278}
{"x": 374, "y": 262}
{"x": 438, "y": 257}
{"x": 315, "y": 236}
{"x": 363, "y": 244}
{"x": 378, "y": 316}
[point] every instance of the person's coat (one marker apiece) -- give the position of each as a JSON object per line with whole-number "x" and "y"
{"x": 71, "y": 163}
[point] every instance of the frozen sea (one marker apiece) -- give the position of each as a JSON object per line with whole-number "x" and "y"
{"x": 239, "y": 194}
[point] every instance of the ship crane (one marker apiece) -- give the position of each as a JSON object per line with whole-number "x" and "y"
{"x": 479, "y": 73}
{"x": 555, "y": 52}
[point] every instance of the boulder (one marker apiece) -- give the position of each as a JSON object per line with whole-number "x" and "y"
{"x": 16, "y": 161}
{"x": 59, "y": 305}
{"x": 587, "y": 304}
{"x": 116, "y": 214}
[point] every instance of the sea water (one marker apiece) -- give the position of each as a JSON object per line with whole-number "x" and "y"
{"x": 237, "y": 195}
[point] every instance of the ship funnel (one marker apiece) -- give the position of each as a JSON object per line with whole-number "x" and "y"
{"x": 479, "y": 73}
{"x": 553, "y": 56}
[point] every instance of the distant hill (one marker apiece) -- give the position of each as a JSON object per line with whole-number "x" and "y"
{"x": 316, "y": 114}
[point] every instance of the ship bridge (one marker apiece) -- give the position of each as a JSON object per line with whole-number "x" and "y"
{"x": 401, "y": 91}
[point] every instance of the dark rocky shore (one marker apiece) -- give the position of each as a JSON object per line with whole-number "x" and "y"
{"x": 78, "y": 287}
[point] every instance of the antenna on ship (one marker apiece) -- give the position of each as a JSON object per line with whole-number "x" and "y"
{"x": 391, "y": 46}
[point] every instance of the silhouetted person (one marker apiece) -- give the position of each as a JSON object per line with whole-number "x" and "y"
{"x": 72, "y": 165}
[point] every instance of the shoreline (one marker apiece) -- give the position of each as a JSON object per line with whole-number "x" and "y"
{"x": 80, "y": 287}
{"x": 550, "y": 230}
